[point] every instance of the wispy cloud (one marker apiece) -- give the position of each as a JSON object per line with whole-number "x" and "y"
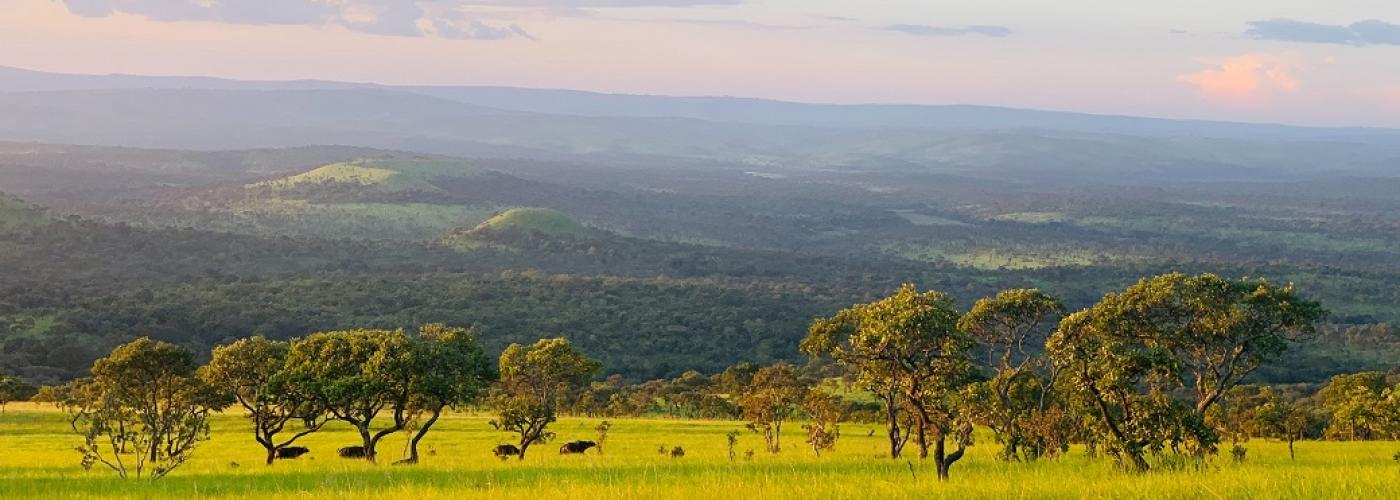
{"x": 1246, "y": 80}
{"x": 737, "y": 23}
{"x": 412, "y": 18}
{"x": 926, "y": 30}
{"x": 1368, "y": 32}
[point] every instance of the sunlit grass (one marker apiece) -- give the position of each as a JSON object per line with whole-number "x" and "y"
{"x": 39, "y": 462}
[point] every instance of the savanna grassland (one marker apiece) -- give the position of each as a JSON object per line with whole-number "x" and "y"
{"x": 669, "y": 247}
{"x": 39, "y": 463}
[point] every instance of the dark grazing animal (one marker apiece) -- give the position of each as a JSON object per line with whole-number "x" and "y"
{"x": 677, "y": 452}
{"x": 291, "y": 452}
{"x": 576, "y": 447}
{"x": 352, "y": 452}
{"x": 506, "y": 451}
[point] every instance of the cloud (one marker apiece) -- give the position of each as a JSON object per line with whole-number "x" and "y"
{"x": 1246, "y": 80}
{"x": 412, "y": 18}
{"x": 1391, "y": 96}
{"x": 1368, "y": 32}
{"x": 925, "y": 30}
{"x": 477, "y": 30}
{"x": 741, "y": 24}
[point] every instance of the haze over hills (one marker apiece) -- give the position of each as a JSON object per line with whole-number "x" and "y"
{"x": 212, "y": 114}
{"x": 724, "y": 109}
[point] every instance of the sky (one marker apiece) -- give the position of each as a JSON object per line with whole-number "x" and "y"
{"x": 1288, "y": 61}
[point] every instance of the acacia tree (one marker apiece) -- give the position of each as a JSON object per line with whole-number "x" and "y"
{"x": 770, "y": 399}
{"x": 252, "y": 371}
{"x": 448, "y": 368}
{"x": 908, "y": 350}
{"x": 1121, "y": 383}
{"x": 143, "y": 399}
{"x": 1012, "y": 328}
{"x": 1222, "y": 330}
{"x": 1128, "y": 352}
{"x": 531, "y": 382}
{"x": 354, "y": 375}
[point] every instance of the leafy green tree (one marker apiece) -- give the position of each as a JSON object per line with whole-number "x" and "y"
{"x": 1352, "y": 401}
{"x": 1128, "y": 353}
{"x": 1276, "y": 417}
{"x": 908, "y": 350}
{"x": 56, "y": 395}
{"x": 532, "y": 380}
{"x": 355, "y": 375}
{"x": 13, "y": 389}
{"x": 771, "y": 399}
{"x": 253, "y": 372}
{"x": 448, "y": 368}
{"x": 144, "y": 399}
{"x": 1222, "y": 330}
{"x": 1012, "y": 328}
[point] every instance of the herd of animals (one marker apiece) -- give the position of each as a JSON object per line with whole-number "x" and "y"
{"x": 502, "y": 452}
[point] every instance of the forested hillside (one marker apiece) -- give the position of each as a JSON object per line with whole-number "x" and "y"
{"x": 654, "y": 270}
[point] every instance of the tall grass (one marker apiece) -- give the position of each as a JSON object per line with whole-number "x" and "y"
{"x": 38, "y": 462}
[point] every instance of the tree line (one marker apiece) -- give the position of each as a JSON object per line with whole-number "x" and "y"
{"x": 1154, "y": 371}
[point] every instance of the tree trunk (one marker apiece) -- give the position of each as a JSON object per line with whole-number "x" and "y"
{"x": 368, "y": 442}
{"x": 921, "y": 425}
{"x": 1137, "y": 462}
{"x": 418, "y": 436}
{"x": 938, "y": 459}
{"x": 271, "y": 454}
{"x": 1290, "y": 448}
{"x": 943, "y": 460}
{"x": 891, "y": 401}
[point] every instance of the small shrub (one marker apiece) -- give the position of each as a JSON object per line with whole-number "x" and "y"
{"x": 1238, "y": 452}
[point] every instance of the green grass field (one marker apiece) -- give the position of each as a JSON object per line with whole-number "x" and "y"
{"x": 39, "y": 462}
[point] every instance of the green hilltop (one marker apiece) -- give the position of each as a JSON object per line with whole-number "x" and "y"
{"x": 373, "y": 198}
{"x": 540, "y": 220}
{"x": 517, "y": 221}
{"x": 385, "y": 175}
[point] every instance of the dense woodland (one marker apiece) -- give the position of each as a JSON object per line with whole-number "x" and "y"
{"x": 659, "y": 270}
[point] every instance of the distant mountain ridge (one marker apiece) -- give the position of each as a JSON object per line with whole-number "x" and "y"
{"x": 740, "y": 135}
{"x": 727, "y": 109}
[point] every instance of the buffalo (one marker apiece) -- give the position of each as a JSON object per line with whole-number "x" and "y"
{"x": 352, "y": 452}
{"x": 506, "y": 451}
{"x": 291, "y": 452}
{"x": 576, "y": 447}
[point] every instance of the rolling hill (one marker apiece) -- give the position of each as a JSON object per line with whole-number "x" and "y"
{"x": 987, "y": 143}
{"x": 544, "y": 221}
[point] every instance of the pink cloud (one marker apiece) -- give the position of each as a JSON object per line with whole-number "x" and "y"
{"x": 1391, "y": 96}
{"x": 1246, "y": 80}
